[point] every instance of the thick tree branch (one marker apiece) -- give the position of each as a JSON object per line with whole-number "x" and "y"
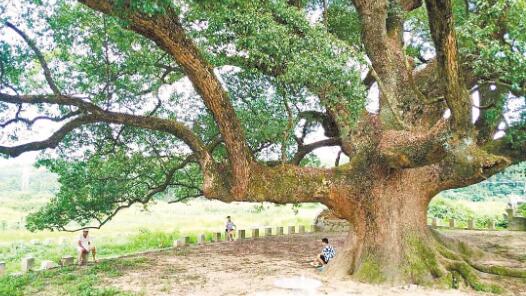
{"x": 96, "y": 114}
{"x": 287, "y": 183}
{"x": 303, "y": 150}
{"x": 50, "y": 142}
{"x": 327, "y": 122}
{"x": 164, "y": 125}
{"x": 62, "y": 100}
{"x": 442, "y": 27}
{"x": 382, "y": 31}
{"x": 467, "y": 164}
{"x": 403, "y": 149}
{"x": 167, "y": 32}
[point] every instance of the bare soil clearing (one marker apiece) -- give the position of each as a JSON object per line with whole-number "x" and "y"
{"x": 251, "y": 267}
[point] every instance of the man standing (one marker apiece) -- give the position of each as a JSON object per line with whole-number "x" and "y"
{"x": 85, "y": 246}
{"x": 229, "y": 229}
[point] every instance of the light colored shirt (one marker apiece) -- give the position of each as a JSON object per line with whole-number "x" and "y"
{"x": 230, "y": 225}
{"x": 85, "y": 242}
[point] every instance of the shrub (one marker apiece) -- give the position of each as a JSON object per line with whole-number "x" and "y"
{"x": 522, "y": 209}
{"x": 444, "y": 209}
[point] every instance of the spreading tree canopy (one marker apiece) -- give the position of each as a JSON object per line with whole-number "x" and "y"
{"x": 220, "y": 98}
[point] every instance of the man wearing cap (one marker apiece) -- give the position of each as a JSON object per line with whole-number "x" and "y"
{"x": 85, "y": 246}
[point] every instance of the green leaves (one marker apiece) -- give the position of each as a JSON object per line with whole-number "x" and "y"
{"x": 93, "y": 190}
{"x": 344, "y": 22}
{"x": 277, "y": 40}
{"x": 105, "y": 59}
{"x": 494, "y": 34}
{"x": 148, "y": 7}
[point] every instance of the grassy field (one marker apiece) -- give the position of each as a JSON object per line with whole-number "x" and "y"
{"x": 137, "y": 229}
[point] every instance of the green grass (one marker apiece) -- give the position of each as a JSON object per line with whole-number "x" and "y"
{"x": 70, "y": 281}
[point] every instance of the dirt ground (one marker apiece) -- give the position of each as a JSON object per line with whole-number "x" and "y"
{"x": 258, "y": 267}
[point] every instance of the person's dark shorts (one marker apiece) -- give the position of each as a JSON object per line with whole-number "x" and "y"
{"x": 323, "y": 259}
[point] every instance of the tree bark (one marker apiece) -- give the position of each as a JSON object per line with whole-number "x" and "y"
{"x": 391, "y": 217}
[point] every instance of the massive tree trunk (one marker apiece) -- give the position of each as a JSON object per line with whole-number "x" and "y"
{"x": 390, "y": 241}
{"x": 389, "y": 221}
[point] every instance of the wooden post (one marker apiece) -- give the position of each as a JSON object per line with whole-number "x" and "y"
{"x": 279, "y": 230}
{"x": 434, "y": 223}
{"x": 451, "y": 223}
{"x": 47, "y": 264}
{"x": 201, "y": 239}
{"x": 313, "y": 228}
{"x": 66, "y": 260}
{"x": 217, "y": 237}
{"x": 471, "y": 224}
{"x": 2, "y": 268}
{"x": 255, "y": 233}
{"x": 491, "y": 224}
{"x": 268, "y": 231}
{"x": 28, "y": 264}
{"x": 241, "y": 234}
{"x": 291, "y": 230}
{"x": 301, "y": 229}
{"x": 181, "y": 242}
{"x": 509, "y": 214}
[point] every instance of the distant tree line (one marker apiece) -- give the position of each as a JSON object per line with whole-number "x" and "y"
{"x": 511, "y": 181}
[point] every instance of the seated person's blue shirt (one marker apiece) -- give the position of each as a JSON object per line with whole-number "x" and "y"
{"x": 328, "y": 252}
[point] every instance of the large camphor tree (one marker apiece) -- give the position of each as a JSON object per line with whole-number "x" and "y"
{"x": 220, "y": 98}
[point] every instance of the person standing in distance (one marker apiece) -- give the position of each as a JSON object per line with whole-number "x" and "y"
{"x": 229, "y": 229}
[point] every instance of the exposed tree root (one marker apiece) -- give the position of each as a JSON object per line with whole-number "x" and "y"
{"x": 460, "y": 260}
{"x": 432, "y": 259}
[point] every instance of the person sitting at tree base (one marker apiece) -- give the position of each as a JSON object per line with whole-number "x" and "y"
{"x": 327, "y": 253}
{"x": 85, "y": 246}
